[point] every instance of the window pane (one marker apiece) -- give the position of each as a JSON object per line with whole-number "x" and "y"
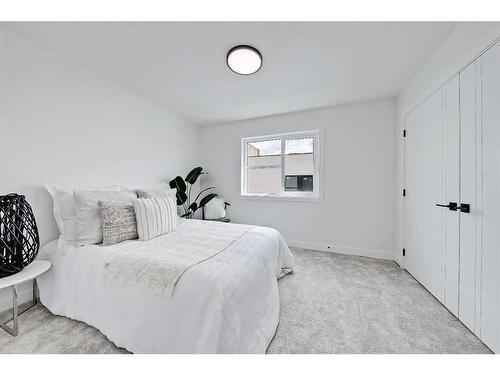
{"x": 299, "y": 146}
{"x": 264, "y": 148}
{"x": 271, "y": 161}
{"x": 264, "y": 166}
{"x": 264, "y": 180}
{"x": 299, "y": 164}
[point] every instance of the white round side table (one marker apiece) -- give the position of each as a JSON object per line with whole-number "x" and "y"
{"x": 30, "y": 272}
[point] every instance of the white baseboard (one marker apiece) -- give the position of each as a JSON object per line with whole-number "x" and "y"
{"x": 24, "y": 294}
{"x": 399, "y": 260}
{"x": 370, "y": 253}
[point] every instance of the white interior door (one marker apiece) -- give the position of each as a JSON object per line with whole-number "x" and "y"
{"x": 452, "y": 154}
{"x": 451, "y": 219}
{"x": 469, "y": 192}
{"x": 424, "y": 184}
{"x": 490, "y": 262}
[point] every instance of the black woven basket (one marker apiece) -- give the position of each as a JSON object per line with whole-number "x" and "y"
{"x": 19, "y": 240}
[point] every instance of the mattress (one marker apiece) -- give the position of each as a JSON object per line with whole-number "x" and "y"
{"x": 226, "y": 304}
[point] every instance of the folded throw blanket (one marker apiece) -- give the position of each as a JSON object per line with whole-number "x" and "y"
{"x": 161, "y": 262}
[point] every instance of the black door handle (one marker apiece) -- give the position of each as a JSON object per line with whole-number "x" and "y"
{"x": 452, "y": 206}
{"x": 464, "y": 207}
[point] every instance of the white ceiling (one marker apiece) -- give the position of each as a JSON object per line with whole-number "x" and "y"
{"x": 305, "y": 65}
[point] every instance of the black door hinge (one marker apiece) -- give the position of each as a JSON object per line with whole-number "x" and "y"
{"x": 404, "y": 252}
{"x": 404, "y": 192}
{"x": 404, "y": 133}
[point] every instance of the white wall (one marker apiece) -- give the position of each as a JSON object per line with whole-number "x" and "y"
{"x": 358, "y": 209}
{"x": 64, "y": 125}
{"x": 464, "y": 43}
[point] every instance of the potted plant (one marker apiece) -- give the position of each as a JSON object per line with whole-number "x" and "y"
{"x": 184, "y": 186}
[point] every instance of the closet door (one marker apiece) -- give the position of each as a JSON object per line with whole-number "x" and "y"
{"x": 431, "y": 179}
{"x": 490, "y": 262}
{"x": 424, "y": 177}
{"x": 470, "y": 187}
{"x": 451, "y": 136}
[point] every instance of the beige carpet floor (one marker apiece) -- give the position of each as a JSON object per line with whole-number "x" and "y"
{"x": 331, "y": 304}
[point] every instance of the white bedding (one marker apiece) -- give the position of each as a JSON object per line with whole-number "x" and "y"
{"x": 158, "y": 265}
{"x": 227, "y": 304}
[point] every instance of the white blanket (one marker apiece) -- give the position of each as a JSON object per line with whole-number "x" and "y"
{"x": 158, "y": 266}
{"x": 227, "y": 304}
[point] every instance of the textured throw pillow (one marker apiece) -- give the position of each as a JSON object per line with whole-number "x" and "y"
{"x": 155, "y": 216}
{"x": 118, "y": 222}
{"x": 65, "y": 212}
{"x": 154, "y": 193}
{"x": 88, "y": 221}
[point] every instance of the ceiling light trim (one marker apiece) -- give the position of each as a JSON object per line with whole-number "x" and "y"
{"x": 248, "y": 48}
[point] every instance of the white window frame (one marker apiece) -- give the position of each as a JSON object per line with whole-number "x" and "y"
{"x": 314, "y": 195}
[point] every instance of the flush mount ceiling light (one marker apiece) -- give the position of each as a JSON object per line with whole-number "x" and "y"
{"x": 244, "y": 60}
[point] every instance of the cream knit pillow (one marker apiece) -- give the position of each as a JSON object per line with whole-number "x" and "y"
{"x": 118, "y": 222}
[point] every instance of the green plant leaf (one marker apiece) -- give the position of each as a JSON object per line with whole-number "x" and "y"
{"x": 193, "y": 175}
{"x": 181, "y": 197}
{"x": 207, "y": 198}
{"x": 193, "y": 206}
{"x": 178, "y": 183}
{"x": 208, "y": 188}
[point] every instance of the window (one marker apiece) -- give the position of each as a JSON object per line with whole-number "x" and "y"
{"x": 283, "y": 165}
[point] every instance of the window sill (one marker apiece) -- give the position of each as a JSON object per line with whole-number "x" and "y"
{"x": 283, "y": 197}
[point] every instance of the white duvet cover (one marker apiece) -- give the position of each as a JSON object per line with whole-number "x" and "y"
{"x": 227, "y": 304}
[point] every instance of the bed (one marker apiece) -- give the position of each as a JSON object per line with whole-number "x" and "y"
{"x": 226, "y": 304}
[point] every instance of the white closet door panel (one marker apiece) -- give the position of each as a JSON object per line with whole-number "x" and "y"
{"x": 490, "y": 286}
{"x": 468, "y": 195}
{"x": 451, "y": 218}
{"x": 477, "y": 210}
{"x": 424, "y": 188}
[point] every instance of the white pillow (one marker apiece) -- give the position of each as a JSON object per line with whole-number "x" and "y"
{"x": 154, "y": 193}
{"x": 155, "y": 216}
{"x": 64, "y": 212}
{"x": 88, "y": 220}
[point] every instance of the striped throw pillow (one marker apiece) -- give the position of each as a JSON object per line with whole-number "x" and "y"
{"x": 155, "y": 216}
